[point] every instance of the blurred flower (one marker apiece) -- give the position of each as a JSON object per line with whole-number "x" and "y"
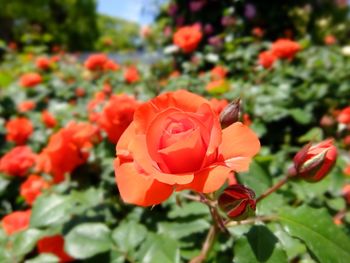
{"x": 313, "y": 162}
{"x": 131, "y": 75}
{"x": 32, "y": 188}
{"x": 98, "y": 62}
{"x": 16, "y": 221}
{"x": 69, "y": 143}
{"x": 249, "y": 11}
{"x": 346, "y": 50}
{"x": 218, "y": 72}
{"x": 111, "y": 65}
{"x": 346, "y": 193}
{"x": 79, "y": 92}
{"x": 12, "y": 45}
{"x": 238, "y": 202}
{"x": 18, "y": 130}
{"x": 172, "y": 9}
{"x": 218, "y": 86}
{"x": 267, "y": 59}
{"x": 228, "y": 21}
{"x": 215, "y": 41}
{"x": 258, "y": 32}
{"x": 285, "y": 48}
{"x": 197, "y": 5}
{"x": 107, "y": 41}
{"x": 330, "y": 40}
{"x": 117, "y": 115}
{"x": 145, "y": 31}
{"x": 187, "y": 38}
{"x": 54, "y": 245}
{"x": 208, "y": 29}
{"x": 43, "y": 63}
{"x": 48, "y": 119}
{"x": 18, "y": 161}
{"x": 29, "y": 80}
{"x": 344, "y": 116}
{"x": 346, "y": 170}
{"x": 25, "y": 106}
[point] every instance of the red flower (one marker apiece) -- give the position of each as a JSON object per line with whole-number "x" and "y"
{"x": 175, "y": 142}
{"x": 313, "y": 162}
{"x": 26, "y": 106}
{"x": 111, "y": 65}
{"x": 43, "y": 63}
{"x": 187, "y": 38}
{"x": 330, "y": 40}
{"x": 48, "y": 119}
{"x": 70, "y": 143}
{"x": 30, "y": 80}
{"x": 54, "y": 245}
{"x": 238, "y": 202}
{"x": 32, "y": 188}
{"x": 131, "y": 75}
{"x": 258, "y": 32}
{"x": 95, "y": 61}
{"x": 344, "y": 116}
{"x": 94, "y": 105}
{"x": 18, "y": 130}
{"x": 267, "y": 59}
{"x": 285, "y": 48}
{"x": 218, "y": 72}
{"x": 117, "y": 115}
{"x": 16, "y": 221}
{"x": 17, "y": 161}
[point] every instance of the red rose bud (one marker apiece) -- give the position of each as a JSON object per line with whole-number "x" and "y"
{"x": 313, "y": 162}
{"x": 238, "y": 202}
{"x": 230, "y": 113}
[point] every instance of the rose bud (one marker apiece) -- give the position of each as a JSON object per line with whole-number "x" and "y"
{"x": 313, "y": 162}
{"x": 238, "y": 202}
{"x": 230, "y": 113}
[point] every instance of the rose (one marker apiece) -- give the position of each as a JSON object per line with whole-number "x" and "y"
{"x": 18, "y": 130}
{"x": 285, "y": 48}
{"x": 344, "y": 116}
{"x": 187, "y": 38}
{"x": 16, "y": 221}
{"x": 131, "y": 75}
{"x": 267, "y": 59}
{"x": 17, "y": 161}
{"x": 175, "y": 142}
{"x": 30, "y": 80}
{"x": 54, "y": 245}
{"x": 313, "y": 162}
{"x": 32, "y": 188}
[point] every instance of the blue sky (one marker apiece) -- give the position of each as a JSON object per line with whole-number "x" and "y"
{"x": 140, "y": 11}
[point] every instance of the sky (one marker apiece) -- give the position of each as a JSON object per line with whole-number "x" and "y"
{"x": 140, "y": 11}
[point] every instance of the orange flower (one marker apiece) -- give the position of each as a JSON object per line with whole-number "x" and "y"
{"x": 18, "y": 130}
{"x": 48, "y": 119}
{"x": 131, "y": 75}
{"x": 187, "y": 38}
{"x": 70, "y": 143}
{"x": 32, "y": 188}
{"x": 175, "y": 142}
{"x": 258, "y": 32}
{"x": 330, "y": 40}
{"x": 117, "y": 115}
{"x": 79, "y": 92}
{"x": 111, "y": 65}
{"x": 25, "y": 106}
{"x": 285, "y": 48}
{"x": 54, "y": 245}
{"x": 267, "y": 59}
{"x": 95, "y": 61}
{"x": 16, "y": 221}
{"x": 344, "y": 116}
{"x": 346, "y": 170}
{"x": 29, "y": 80}
{"x": 17, "y": 161}
{"x": 218, "y": 72}
{"x": 43, "y": 63}
{"x": 218, "y": 105}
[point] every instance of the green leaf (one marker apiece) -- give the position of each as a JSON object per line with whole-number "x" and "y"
{"x": 87, "y": 240}
{"x": 315, "y": 227}
{"x": 259, "y": 245}
{"x": 44, "y": 258}
{"x": 179, "y": 230}
{"x": 25, "y": 241}
{"x": 159, "y": 249}
{"x": 301, "y": 116}
{"x": 129, "y": 235}
{"x": 50, "y": 210}
{"x": 188, "y": 209}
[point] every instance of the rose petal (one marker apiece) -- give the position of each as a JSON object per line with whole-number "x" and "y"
{"x": 138, "y": 188}
{"x": 239, "y": 145}
{"x": 208, "y": 180}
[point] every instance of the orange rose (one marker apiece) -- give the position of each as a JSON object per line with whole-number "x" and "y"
{"x": 54, "y": 245}
{"x": 30, "y": 80}
{"x": 131, "y": 75}
{"x": 187, "y": 38}
{"x": 285, "y": 48}
{"x": 18, "y": 130}
{"x": 95, "y": 61}
{"x": 26, "y": 105}
{"x": 32, "y": 188}
{"x": 117, "y": 115}
{"x": 43, "y": 63}
{"x": 16, "y": 221}
{"x": 218, "y": 72}
{"x": 267, "y": 59}
{"x": 17, "y": 161}
{"x": 48, "y": 119}
{"x": 175, "y": 142}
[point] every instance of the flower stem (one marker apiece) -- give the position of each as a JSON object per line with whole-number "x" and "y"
{"x": 272, "y": 189}
{"x": 207, "y": 245}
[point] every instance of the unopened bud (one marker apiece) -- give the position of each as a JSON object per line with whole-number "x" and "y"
{"x": 230, "y": 113}
{"x": 238, "y": 202}
{"x": 313, "y": 162}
